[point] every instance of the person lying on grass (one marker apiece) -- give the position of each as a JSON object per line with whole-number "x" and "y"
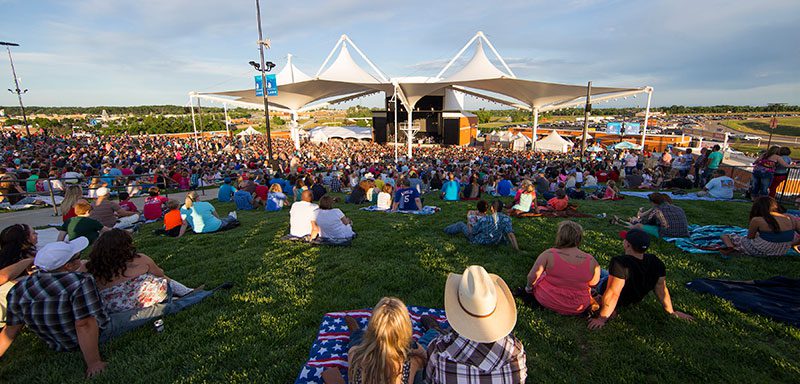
{"x": 407, "y": 198}
{"x": 558, "y": 203}
{"x": 385, "y": 351}
{"x": 203, "y": 216}
{"x": 329, "y": 222}
{"x": 561, "y": 277}
{"x": 494, "y": 228}
{"x": 62, "y": 306}
{"x": 662, "y": 220}
{"x": 631, "y": 277}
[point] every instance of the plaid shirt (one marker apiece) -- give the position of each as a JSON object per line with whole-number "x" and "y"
{"x": 50, "y": 303}
{"x": 336, "y": 185}
{"x": 486, "y": 231}
{"x": 671, "y": 220}
{"x": 453, "y": 359}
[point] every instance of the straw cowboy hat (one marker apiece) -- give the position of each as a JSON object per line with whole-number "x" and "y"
{"x": 479, "y": 305}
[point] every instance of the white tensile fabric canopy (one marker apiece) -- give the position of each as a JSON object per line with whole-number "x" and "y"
{"x": 554, "y": 143}
{"x": 323, "y": 134}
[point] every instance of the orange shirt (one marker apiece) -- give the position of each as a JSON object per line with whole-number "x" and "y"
{"x": 558, "y": 204}
{"x": 172, "y": 219}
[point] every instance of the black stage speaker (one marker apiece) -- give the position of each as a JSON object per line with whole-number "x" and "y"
{"x": 452, "y": 131}
{"x": 379, "y": 127}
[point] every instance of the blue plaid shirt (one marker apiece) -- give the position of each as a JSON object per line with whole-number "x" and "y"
{"x": 50, "y": 304}
{"x": 486, "y": 231}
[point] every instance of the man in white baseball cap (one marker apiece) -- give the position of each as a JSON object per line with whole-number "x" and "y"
{"x": 480, "y": 347}
{"x": 108, "y": 212}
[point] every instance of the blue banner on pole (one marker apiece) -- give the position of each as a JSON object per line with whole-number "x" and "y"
{"x": 613, "y": 128}
{"x": 272, "y": 86}
{"x": 632, "y": 128}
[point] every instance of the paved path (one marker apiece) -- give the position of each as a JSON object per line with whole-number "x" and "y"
{"x": 44, "y": 216}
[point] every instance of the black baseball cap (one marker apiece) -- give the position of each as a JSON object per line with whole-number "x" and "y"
{"x": 638, "y": 238}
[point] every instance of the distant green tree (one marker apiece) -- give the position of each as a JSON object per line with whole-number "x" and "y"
{"x": 277, "y": 120}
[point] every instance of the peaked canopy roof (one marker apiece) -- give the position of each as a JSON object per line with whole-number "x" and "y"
{"x": 344, "y": 79}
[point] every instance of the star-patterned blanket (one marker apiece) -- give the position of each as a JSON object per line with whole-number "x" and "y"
{"x": 330, "y": 347}
{"x": 426, "y": 210}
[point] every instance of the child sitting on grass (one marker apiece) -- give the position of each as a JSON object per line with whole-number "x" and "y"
{"x": 558, "y": 203}
{"x": 172, "y": 220}
{"x": 126, "y": 203}
{"x": 153, "y": 204}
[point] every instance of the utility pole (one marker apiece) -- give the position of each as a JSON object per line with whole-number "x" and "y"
{"x": 263, "y": 70}
{"x": 586, "y": 112}
{"x": 17, "y": 90}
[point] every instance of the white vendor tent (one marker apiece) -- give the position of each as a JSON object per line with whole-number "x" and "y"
{"x": 554, "y": 143}
{"x": 250, "y": 131}
{"x": 323, "y": 134}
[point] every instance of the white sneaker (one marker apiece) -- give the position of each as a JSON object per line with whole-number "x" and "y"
{"x": 233, "y": 215}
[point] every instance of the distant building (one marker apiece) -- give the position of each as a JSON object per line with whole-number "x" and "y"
{"x": 652, "y": 114}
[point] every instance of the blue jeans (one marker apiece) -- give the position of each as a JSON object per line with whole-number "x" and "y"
{"x": 455, "y": 229}
{"x": 601, "y": 285}
{"x": 761, "y": 183}
{"x": 123, "y": 322}
{"x": 428, "y": 337}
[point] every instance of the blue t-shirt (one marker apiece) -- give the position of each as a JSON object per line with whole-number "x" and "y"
{"x": 406, "y": 198}
{"x": 505, "y": 188}
{"x": 243, "y": 200}
{"x": 202, "y": 218}
{"x": 225, "y": 193}
{"x": 275, "y": 201}
{"x": 450, "y": 190}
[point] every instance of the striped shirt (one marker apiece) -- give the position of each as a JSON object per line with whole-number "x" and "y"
{"x": 454, "y": 359}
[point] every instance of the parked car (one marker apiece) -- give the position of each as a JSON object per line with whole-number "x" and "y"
{"x": 751, "y": 137}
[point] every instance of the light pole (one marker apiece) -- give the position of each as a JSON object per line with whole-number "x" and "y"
{"x": 16, "y": 84}
{"x": 264, "y": 69}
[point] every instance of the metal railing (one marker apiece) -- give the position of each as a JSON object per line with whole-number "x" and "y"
{"x": 785, "y": 192}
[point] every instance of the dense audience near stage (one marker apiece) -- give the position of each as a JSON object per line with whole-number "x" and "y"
{"x": 74, "y": 305}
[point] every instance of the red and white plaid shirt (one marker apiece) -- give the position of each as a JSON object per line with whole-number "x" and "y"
{"x": 453, "y": 359}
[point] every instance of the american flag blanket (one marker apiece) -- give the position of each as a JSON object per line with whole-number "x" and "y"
{"x": 330, "y": 348}
{"x": 426, "y": 210}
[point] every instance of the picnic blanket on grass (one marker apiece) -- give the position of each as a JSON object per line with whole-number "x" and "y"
{"x": 329, "y": 350}
{"x": 321, "y": 240}
{"x": 777, "y": 298}
{"x": 32, "y": 201}
{"x": 46, "y": 236}
{"x": 673, "y": 196}
{"x": 706, "y": 236}
{"x": 571, "y": 211}
{"x": 426, "y": 210}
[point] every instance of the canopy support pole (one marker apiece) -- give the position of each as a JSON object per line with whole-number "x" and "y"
{"x": 194, "y": 124}
{"x": 646, "y": 116}
{"x": 395, "y": 125}
{"x": 586, "y": 113}
{"x": 489, "y": 43}
{"x": 295, "y": 131}
{"x": 363, "y": 56}
{"x": 227, "y": 128}
{"x": 410, "y": 131}
{"x": 461, "y": 52}
{"x": 535, "y": 111}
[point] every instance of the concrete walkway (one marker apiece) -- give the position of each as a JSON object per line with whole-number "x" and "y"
{"x": 44, "y": 216}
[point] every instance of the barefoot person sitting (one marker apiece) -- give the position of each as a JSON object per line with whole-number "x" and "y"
{"x": 203, "y": 216}
{"x": 493, "y": 228}
{"x": 770, "y": 233}
{"x": 384, "y": 352}
{"x": 631, "y": 277}
{"x": 662, "y": 220}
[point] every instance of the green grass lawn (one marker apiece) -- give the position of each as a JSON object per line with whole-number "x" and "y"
{"x": 755, "y": 149}
{"x": 787, "y": 126}
{"x": 262, "y": 329}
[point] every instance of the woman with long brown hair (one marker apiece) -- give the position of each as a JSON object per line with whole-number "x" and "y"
{"x": 126, "y": 278}
{"x": 771, "y": 233}
{"x": 764, "y": 170}
{"x": 382, "y": 353}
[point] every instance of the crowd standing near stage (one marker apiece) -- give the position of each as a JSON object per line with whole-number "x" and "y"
{"x": 74, "y": 304}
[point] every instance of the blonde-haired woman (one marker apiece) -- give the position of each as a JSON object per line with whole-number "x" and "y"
{"x": 276, "y": 199}
{"x": 561, "y": 277}
{"x": 71, "y": 196}
{"x": 383, "y": 352}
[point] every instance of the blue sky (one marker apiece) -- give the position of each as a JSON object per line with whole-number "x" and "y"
{"x": 110, "y": 52}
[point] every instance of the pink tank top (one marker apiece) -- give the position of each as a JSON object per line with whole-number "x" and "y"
{"x": 564, "y": 287}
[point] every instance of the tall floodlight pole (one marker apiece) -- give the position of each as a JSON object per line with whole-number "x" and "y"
{"x": 16, "y": 90}
{"x": 263, "y": 70}
{"x": 587, "y": 110}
